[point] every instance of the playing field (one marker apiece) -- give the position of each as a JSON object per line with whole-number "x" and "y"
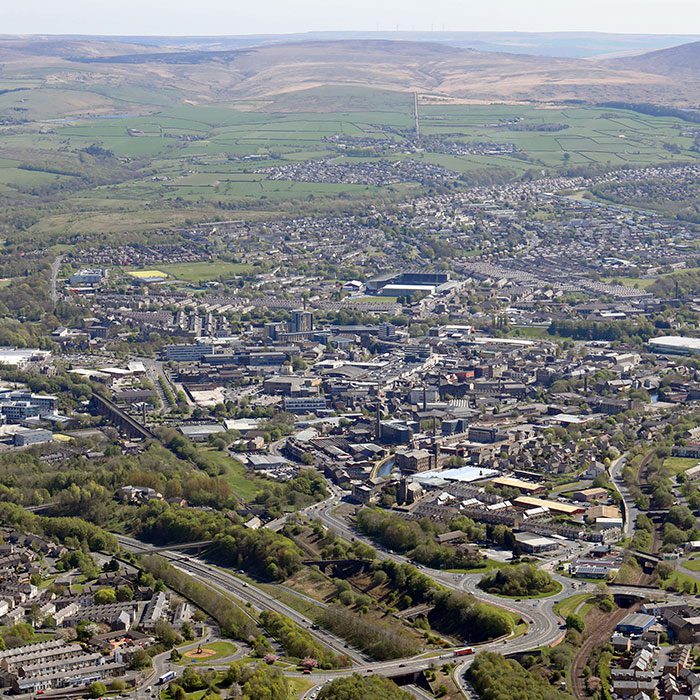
{"x": 205, "y": 271}
{"x": 147, "y": 274}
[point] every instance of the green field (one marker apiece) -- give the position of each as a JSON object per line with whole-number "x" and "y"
{"x": 639, "y": 282}
{"x": 678, "y": 465}
{"x": 204, "y": 271}
{"x": 572, "y": 604}
{"x": 173, "y": 162}
{"x": 243, "y": 485}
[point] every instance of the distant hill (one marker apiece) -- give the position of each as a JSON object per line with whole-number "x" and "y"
{"x": 556, "y": 44}
{"x": 675, "y": 62}
{"x": 203, "y": 74}
{"x": 429, "y": 68}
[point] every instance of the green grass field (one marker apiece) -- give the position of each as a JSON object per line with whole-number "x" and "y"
{"x": 243, "y": 485}
{"x": 572, "y": 604}
{"x": 639, "y": 282}
{"x": 678, "y": 465}
{"x": 204, "y": 271}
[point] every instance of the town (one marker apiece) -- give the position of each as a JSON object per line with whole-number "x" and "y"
{"x": 349, "y": 366}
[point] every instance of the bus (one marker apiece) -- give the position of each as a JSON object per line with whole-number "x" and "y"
{"x": 170, "y": 675}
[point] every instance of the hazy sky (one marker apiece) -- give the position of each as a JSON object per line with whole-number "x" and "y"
{"x": 218, "y": 17}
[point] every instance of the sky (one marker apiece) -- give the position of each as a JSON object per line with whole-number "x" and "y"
{"x": 229, "y": 17}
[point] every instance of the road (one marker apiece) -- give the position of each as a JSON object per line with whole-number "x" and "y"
{"x": 55, "y": 268}
{"x": 630, "y": 511}
{"x": 259, "y": 599}
{"x": 154, "y": 372}
{"x": 544, "y": 625}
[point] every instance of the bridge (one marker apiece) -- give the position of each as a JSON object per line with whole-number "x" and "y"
{"x": 126, "y": 423}
{"x": 180, "y": 547}
{"x": 347, "y": 566}
{"x": 40, "y": 508}
{"x": 646, "y": 560}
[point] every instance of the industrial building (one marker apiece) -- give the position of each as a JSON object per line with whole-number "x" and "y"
{"x": 675, "y": 345}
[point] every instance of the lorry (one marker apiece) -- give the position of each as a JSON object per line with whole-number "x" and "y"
{"x": 464, "y": 652}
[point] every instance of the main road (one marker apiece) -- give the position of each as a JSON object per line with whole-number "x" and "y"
{"x": 215, "y": 578}
{"x": 544, "y": 624}
{"x": 630, "y": 511}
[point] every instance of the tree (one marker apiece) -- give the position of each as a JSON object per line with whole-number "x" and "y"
{"x": 125, "y": 593}
{"x": 166, "y": 634}
{"x": 97, "y": 689}
{"x": 105, "y": 596}
{"x": 575, "y": 622}
{"x": 266, "y": 683}
{"x": 356, "y": 687}
{"x": 140, "y": 659}
{"x": 192, "y": 680}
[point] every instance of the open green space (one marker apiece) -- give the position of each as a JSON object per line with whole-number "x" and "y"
{"x": 168, "y": 162}
{"x": 678, "y": 465}
{"x": 244, "y": 485}
{"x": 692, "y": 564}
{"x": 639, "y": 282}
{"x": 575, "y": 603}
{"x": 204, "y": 271}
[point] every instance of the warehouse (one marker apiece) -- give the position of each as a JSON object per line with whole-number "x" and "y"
{"x": 635, "y": 623}
{"x": 554, "y": 506}
{"x": 675, "y": 345}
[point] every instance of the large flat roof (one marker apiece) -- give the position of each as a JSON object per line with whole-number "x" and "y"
{"x": 520, "y": 484}
{"x": 676, "y": 342}
{"x": 566, "y": 508}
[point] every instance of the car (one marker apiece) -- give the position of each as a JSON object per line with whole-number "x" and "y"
{"x": 40, "y": 692}
{"x": 401, "y": 665}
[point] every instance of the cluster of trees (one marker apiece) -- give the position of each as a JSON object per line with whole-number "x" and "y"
{"x": 297, "y": 642}
{"x": 381, "y": 641}
{"x": 497, "y": 678}
{"x": 85, "y": 487}
{"x": 263, "y": 552}
{"x": 357, "y": 687}
{"x": 684, "y": 282}
{"x": 303, "y": 490}
{"x": 520, "y": 580}
{"x": 464, "y": 616}
{"x": 77, "y": 531}
{"x": 16, "y": 636}
{"x": 625, "y": 331}
{"x": 231, "y": 619}
{"x": 418, "y": 538}
{"x": 453, "y": 612}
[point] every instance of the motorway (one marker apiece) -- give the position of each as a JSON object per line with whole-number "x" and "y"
{"x": 214, "y": 578}
{"x": 544, "y": 624}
